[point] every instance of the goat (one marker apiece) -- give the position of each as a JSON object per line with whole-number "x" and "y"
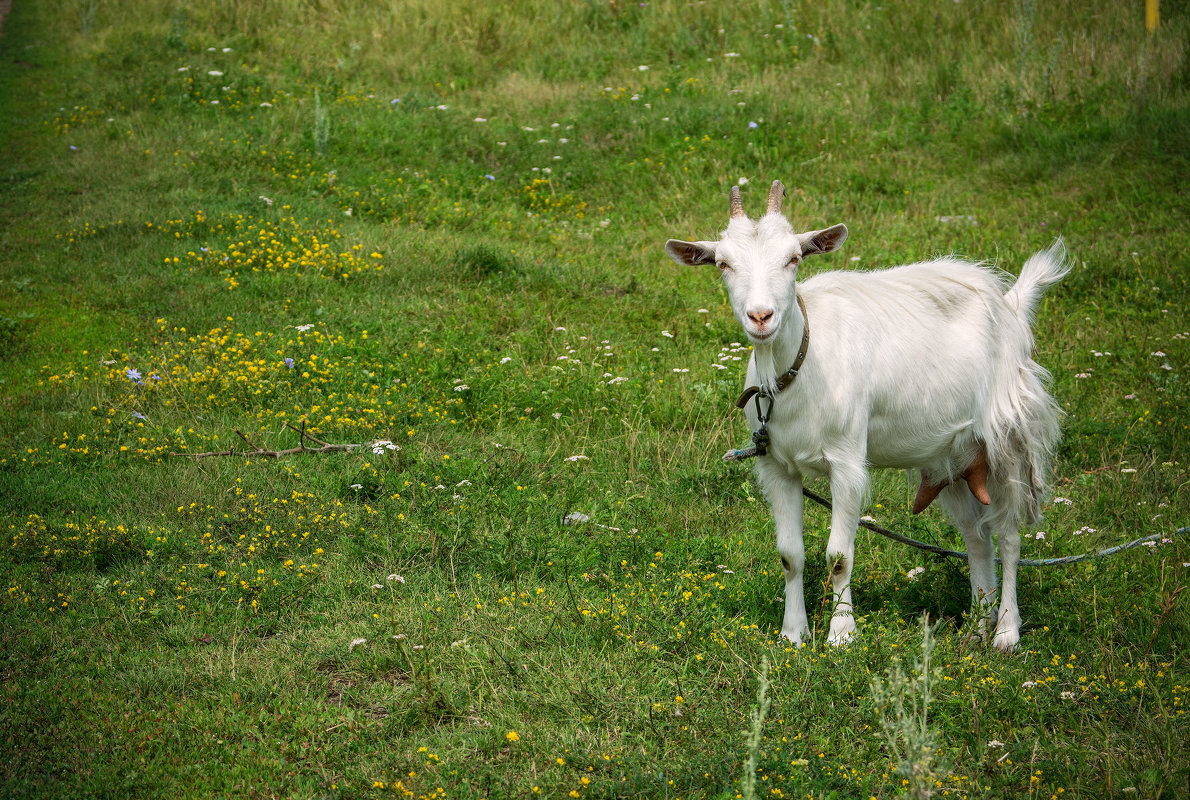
{"x": 927, "y": 366}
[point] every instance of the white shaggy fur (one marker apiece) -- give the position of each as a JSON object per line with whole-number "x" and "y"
{"x": 916, "y": 367}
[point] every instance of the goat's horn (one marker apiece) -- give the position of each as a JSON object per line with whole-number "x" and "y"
{"x": 776, "y": 195}
{"x": 737, "y": 204}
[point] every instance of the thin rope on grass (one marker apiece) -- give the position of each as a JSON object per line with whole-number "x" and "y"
{"x": 1024, "y": 562}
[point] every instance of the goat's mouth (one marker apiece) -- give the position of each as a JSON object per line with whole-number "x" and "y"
{"x": 761, "y": 336}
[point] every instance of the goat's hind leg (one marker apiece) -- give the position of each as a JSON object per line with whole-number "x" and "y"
{"x": 972, "y": 519}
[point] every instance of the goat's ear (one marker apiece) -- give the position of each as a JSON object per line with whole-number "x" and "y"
{"x": 691, "y": 253}
{"x": 823, "y": 241}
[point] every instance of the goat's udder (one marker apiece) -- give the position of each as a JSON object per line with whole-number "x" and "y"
{"x": 976, "y": 476}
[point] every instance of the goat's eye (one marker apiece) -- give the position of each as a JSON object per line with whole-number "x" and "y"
{"x": 794, "y": 261}
{"x": 723, "y": 267}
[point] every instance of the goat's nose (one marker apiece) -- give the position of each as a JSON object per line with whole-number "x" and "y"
{"x": 761, "y": 316}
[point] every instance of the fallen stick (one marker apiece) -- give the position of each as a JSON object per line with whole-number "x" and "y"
{"x": 261, "y": 452}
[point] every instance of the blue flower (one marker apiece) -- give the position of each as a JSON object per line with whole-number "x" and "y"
{"x": 133, "y": 374}
{"x": 753, "y": 125}
{"x": 289, "y": 363}
{"x": 139, "y": 415}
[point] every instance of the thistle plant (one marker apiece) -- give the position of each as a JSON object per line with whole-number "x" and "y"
{"x": 755, "y": 728}
{"x": 322, "y": 126}
{"x": 903, "y": 704}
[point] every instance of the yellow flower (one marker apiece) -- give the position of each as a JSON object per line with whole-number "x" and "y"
{"x": 512, "y": 736}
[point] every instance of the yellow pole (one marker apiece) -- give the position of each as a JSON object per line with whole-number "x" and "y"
{"x": 1152, "y": 14}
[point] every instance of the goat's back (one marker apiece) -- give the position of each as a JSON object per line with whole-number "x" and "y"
{"x": 931, "y": 355}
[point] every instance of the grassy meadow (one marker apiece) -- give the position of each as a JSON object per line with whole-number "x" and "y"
{"x": 435, "y": 231}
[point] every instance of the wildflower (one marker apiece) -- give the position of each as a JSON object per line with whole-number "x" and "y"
{"x": 1039, "y": 535}
{"x": 1066, "y": 501}
{"x": 289, "y": 363}
{"x": 643, "y": 68}
{"x": 577, "y": 458}
{"x": 139, "y": 415}
{"x": 378, "y": 447}
{"x": 913, "y": 573}
{"x": 133, "y": 375}
{"x": 667, "y": 334}
{"x": 395, "y": 577}
{"x": 995, "y": 744}
{"x": 214, "y": 72}
{"x": 462, "y": 387}
{"x": 304, "y": 328}
{"x": 355, "y": 643}
{"x": 575, "y": 518}
{"x": 742, "y": 181}
{"x": 753, "y": 125}
{"x": 1029, "y": 684}
{"x": 1067, "y": 695}
{"x": 512, "y": 736}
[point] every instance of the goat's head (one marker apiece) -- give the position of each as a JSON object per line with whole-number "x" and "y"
{"x": 758, "y": 260}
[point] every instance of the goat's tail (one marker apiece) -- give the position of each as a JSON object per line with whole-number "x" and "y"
{"x": 1043, "y": 269}
{"x": 1024, "y": 423}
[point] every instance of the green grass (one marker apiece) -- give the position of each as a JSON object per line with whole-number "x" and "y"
{"x": 481, "y": 266}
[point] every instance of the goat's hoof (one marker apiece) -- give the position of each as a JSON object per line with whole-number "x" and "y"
{"x": 796, "y": 638}
{"x": 842, "y": 635}
{"x": 1007, "y": 640}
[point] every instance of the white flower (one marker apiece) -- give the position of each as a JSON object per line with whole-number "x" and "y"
{"x": 355, "y": 643}
{"x": 1039, "y": 535}
{"x": 377, "y": 586}
{"x": 667, "y": 334}
{"x": 643, "y": 68}
{"x": 357, "y": 486}
{"x": 506, "y": 359}
{"x": 1067, "y": 695}
{"x": 995, "y": 743}
{"x": 575, "y": 518}
{"x": 577, "y": 458}
{"x": 742, "y": 181}
{"x": 913, "y": 573}
{"x": 303, "y": 328}
{"x": 1029, "y": 685}
{"x": 214, "y": 72}
{"x": 1064, "y": 501}
{"x": 395, "y": 577}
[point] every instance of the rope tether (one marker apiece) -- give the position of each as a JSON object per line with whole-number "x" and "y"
{"x": 1024, "y": 562}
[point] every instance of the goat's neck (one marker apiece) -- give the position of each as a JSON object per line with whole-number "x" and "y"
{"x": 774, "y": 357}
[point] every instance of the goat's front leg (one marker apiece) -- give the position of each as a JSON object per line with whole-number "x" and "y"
{"x": 785, "y": 499}
{"x": 848, "y": 486}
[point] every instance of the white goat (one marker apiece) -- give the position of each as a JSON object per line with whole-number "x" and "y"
{"x": 927, "y": 366}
